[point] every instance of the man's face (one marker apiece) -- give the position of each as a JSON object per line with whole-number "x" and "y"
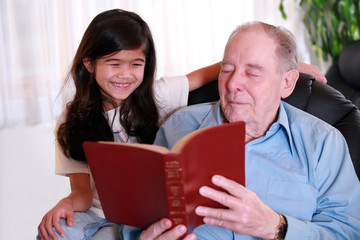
{"x": 249, "y": 82}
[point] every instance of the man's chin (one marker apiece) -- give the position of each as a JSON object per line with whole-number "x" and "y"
{"x": 235, "y": 117}
{"x": 235, "y": 114}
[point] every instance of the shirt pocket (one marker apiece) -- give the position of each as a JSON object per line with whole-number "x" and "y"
{"x": 296, "y": 199}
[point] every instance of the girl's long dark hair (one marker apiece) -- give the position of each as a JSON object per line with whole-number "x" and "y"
{"x": 109, "y": 32}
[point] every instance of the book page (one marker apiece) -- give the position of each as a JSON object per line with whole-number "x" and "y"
{"x": 179, "y": 145}
{"x": 155, "y": 148}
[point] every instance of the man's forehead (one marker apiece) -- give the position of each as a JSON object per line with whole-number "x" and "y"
{"x": 254, "y": 34}
{"x": 250, "y": 42}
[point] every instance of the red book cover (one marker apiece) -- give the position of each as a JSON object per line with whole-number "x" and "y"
{"x": 139, "y": 184}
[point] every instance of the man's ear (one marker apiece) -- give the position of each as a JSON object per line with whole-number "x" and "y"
{"x": 289, "y": 81}
{"x": 88, "y": 64}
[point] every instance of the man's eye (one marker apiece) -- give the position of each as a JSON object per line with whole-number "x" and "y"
{"x": 225, "y": 71}
{"x": 253, "y": 74}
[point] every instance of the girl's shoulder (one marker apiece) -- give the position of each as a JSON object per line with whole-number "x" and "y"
{"x": 166, "y": 86}
{"x": 171, "y": 93}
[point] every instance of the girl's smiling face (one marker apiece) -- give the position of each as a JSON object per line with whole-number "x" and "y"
{"x": 118, "y": 74}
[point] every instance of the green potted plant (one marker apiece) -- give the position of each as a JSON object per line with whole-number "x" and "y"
{"x": 330, "y": 23}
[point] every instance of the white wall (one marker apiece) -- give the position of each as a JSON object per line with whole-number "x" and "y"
{"x": 28, "y": 186}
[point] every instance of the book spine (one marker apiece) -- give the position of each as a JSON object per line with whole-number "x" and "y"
{"x": 175, "y": 191}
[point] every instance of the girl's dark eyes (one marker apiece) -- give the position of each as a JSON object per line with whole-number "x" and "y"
{"x": 132, "y": 64}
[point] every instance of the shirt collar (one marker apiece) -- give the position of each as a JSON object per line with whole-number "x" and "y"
{"x": 281, "y": 124}
{"x": 213, "y": 117}
{"x": 283, "y": 121}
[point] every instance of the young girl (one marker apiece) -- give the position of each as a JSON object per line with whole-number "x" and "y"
{"x": 116, "y": 99}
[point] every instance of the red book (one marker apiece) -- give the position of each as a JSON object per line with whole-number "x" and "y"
{"x": 139, "y": 184}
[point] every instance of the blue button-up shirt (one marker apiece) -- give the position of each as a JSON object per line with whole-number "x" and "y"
{"x": 300, "y": 168}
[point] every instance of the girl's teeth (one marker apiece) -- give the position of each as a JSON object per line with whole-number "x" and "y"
{"x": 121, "y": 85}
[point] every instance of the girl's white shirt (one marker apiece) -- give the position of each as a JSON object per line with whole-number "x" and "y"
{"x": 171, "y": 94}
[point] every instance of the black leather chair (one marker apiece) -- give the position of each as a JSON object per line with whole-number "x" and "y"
{"x": 344, "y": 74}
{"x": 316, "y": 98}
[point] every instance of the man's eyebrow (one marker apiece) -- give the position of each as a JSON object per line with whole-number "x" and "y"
{"x": 225, "y": 63}
{"x": 256, "y": 66}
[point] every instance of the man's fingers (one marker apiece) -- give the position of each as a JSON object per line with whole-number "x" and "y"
{"x": 161, "y": 230}
{"x": 218, "y": 196}
{"x": 191, "y": 236}
{"x": 175, "y": 233}
{"x": 156, "y": 229}
{"x": 218, "y": 214}
{"x": 230, "y": 186}
{"x": 230, "y": 198}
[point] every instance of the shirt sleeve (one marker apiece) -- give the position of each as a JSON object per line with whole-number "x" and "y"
{"x": 171, "y": 94}
{"x": 63, "y": 164}
{"x": 337, "y": 214}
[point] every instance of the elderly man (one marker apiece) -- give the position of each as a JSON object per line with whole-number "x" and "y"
{"x": 300, "y": 181}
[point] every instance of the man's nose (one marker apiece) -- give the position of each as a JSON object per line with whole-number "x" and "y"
{"x": 236, "y": 82}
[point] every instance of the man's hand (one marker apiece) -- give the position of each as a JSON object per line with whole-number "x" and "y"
{"x": 162, "y": 230}
{"x": 312, "y": 70}
{"x": 52, "y": 219}
{"x": 246, "y": 213}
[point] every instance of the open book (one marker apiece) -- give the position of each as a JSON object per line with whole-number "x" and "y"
{"x": 139, "y": 184}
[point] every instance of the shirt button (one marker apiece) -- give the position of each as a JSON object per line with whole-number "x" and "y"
{"x": 248, "y": 149}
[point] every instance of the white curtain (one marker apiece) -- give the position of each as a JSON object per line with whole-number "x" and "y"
{"x": 38, "y": 39}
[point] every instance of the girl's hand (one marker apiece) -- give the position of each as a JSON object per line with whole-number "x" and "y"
{"x": 312, "y": 70}
{"x": 79, "y": 200}
{"x": 52, "y": 218}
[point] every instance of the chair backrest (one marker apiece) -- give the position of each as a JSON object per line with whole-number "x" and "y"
{"x": 344, "y": 74}
{"x": 316, "y": 98}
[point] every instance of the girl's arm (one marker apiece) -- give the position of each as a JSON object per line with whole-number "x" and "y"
{"x": 79, "y": 199}
{"x": 81, "y": 195}
{"x": 202, "y": 76}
